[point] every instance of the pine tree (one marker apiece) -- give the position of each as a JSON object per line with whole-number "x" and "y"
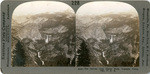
{"x": 19, "y": 57}
{"x": 83, "y": 58}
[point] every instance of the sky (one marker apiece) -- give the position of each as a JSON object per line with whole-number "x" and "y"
{"x": 36, "y": 7}
{"x": 105, "y": 7}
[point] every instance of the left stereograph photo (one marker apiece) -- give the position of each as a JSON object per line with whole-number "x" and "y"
{"x": 43, "y": 34}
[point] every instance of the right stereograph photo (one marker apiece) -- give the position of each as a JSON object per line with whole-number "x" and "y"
{"x": 107, "y": 34}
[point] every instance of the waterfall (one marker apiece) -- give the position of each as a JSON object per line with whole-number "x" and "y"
{"x": 47, "y": 39}
{"x": 111, "y": 39}
{"x": 39, "y": 55}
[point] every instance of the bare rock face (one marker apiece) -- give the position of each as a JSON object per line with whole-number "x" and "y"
{"x": 44, "y": 40}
